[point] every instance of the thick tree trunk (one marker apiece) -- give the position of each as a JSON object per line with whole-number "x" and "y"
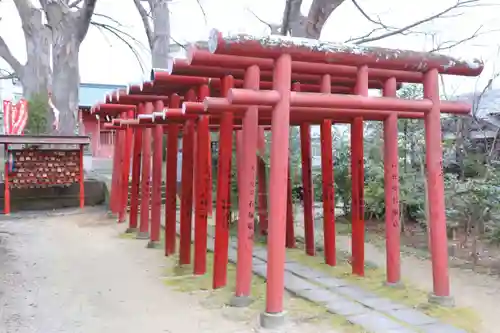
{"x": 66, "y": 78}
{"x": 309, "y": 26}
{"x": 66, "y": 29}
{"x": 161, "y": 34}
{"x": 35, "y": 75}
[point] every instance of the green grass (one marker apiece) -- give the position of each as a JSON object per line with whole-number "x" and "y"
{"x": 127, "y": 235}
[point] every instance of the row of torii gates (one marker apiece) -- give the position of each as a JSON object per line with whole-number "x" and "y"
{"x": 251, "y": 84}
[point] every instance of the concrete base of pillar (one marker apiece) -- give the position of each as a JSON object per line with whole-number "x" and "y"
{"x": 395, "y": 285}
{"x": 142, "y": 235}
{"x": 272, "y": 320}
{"x": 446, "y": 301}
{"x": 153, "y": 245}
{"x": 131, "y": 230}
{"x": 240, "y": 301}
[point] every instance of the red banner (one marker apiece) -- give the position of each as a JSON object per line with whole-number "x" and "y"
{"x": 7, "y": 111}
{"x": 15, "y": 117}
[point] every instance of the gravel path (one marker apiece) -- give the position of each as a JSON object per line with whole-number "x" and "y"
{"x": 73, "y": 273}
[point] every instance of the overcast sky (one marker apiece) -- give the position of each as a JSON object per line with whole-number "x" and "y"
{"x": 104, "y": 59}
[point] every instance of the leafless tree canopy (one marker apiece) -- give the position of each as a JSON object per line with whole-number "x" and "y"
{"x": 67, "y": 25}
{"x": 57, "y": 12}
{"x": 295, "y": 24}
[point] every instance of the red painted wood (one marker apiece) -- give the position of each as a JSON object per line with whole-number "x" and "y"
{"x": 328, "y": 184}
{"x": 136, "y": 176}
{"x": 277, "y": 192}
{"x": 246, "y": 202}
{"x": 223, "y": 201}
{"x": 171, "y": 185}
{"x": 202, "y": 188}
{"x": 290, "y": 227}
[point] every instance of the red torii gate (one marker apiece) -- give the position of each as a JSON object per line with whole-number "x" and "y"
{"x": 278, "y": 82}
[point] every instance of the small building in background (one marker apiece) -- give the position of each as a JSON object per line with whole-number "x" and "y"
{"x": 102, "y": 140}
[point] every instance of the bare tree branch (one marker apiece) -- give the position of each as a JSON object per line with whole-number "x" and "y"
{"x": 368, "y": 34}
{"x": 145, "y": 22}
{"x": 75, "y": 3}
{"x": 85, "y": 15}
{"x": 275, "y": 28}
{"x": 121, "y": 35}
{"x": 107, "y": 17}
{"x": 178, "y": 43}
{"x": 382, "y": 29}
{"x": 107, "y": 27}
{"x": 202, "y": 11}
{"x": 7, "y": 55}
{"x": 7, "y": 75}
{"x": 24, "y": 9}
{"x": 451, "y": 44}
{"x": 150, "y": 11}
{"x": 368, "y": 17}
{"x": 477, "y": 98}
{"x": 392, "y": 31}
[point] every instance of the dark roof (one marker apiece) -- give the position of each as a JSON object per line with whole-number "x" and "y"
{"x": 485, "y": 104}
{"x": 486, "y": 108}
{"x": 44, "y": 140}
{"x": 449, "y": 124}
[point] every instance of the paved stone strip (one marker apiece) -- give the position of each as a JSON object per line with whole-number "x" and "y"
{"x": 357, "y": 314}
{"x": 360, "y": 306}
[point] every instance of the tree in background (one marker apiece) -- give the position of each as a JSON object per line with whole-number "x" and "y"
{"x": 66, "y": 27}
{"x": 297, "y": 25}
{"x": 155, "y": 17}
{"x": 38, "y": 114}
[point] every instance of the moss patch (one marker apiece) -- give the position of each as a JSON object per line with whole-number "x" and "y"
{"x": 374, "y": 279}
{"x": 125, "y": 235}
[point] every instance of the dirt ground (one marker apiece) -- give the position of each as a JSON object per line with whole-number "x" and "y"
{"x": 74, "y": 273}
{"x": 460, "y": 247}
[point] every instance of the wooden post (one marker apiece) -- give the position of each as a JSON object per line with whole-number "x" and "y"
{"x": 246, "y": 202}
{"x": 6, "y": 209}
{"x": 202, "y": 180}
{"x": 223, "y": 202}
{"x": 81, "y": 180}
{"x": 328, "y": 182}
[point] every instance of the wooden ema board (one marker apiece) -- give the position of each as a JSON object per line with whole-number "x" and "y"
{"x": 44, "y": 168}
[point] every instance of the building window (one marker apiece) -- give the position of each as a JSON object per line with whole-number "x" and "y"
{"x": 107, "y": 138}
{"x": 316, "y": 150}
